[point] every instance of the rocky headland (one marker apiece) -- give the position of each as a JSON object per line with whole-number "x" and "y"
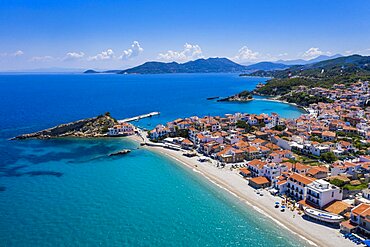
{"x": 244, "y": 96}
{"x": 89, "y": 127}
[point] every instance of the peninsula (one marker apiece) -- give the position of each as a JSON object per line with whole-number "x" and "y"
{"x": 90, "y": 127}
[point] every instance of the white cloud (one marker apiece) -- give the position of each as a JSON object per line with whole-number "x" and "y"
{"x": 246, "y": 54}
{"x": 104, "y": 55}
{"x": 18, "y": 53}
{"x": 314, "y": 52}
{"x": 284, "y": 54}
{"x": 74, "y": 55}
{"x": 14, "y": 54}
{"x": 190, "y": 52}
{"x": 134, "y": 51}
{"x": 42, "y": 59}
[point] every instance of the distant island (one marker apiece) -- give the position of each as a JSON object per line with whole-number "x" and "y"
{"x": 209, "y": 65}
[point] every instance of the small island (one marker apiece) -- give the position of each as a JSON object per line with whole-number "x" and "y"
{"x": 244, "y": 96}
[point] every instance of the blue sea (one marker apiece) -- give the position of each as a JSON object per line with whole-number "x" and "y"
{"x": 68, "y": 192}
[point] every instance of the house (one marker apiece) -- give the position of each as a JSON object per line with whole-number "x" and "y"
{"x": 360, "y": 219}
{"x": 297, "y": 186}
{"x": 256, "y": 167}
{"x": 245, "y": 172}
{"x": 320, "y": 193}
{"x": 328, "y": 136}
{"x": 300, "y": 168}
{"x": 339, "y": 207}
{"x": 259, "y": 182}
{"x": 186, "y": 144}
{"x": 252, "y": 152}
{"x": 158, "y": 131}
{"x": 340, "y": 167}
{"x": 284, "y": 144}
{"x": 273, "y": 170}
{"x": 230, "y": 155}
{"x": 344, "y": 146}
{"x": 121, "y": 129}
{"x": 318, "y": 172}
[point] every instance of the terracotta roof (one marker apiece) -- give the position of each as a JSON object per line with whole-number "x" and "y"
{"x": 260, "y": 180}
{"x": 301, "y": 178}
{"x": 256, "y": 163}
{"x": 328, "y": 133}
{"x": 362, "y": 210}
{"x": 245, "y": 171}
{"x": 337, "y": 207}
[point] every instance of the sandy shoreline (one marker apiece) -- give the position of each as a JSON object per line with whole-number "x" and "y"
{"x": 286, "y": 102}
{"x": 315, "y": 234}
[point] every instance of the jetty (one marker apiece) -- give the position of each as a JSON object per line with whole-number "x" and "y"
{"x": 151, "y": 114}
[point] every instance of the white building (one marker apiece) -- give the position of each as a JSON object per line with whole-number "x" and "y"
{"x": 273, "y": 170}
{"x": 121, "y": 129}
{"x": 322, "y": 193}
{"x": 297, "y": 185}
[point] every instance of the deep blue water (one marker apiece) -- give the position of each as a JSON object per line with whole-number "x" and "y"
{"x": 70, "y": 193}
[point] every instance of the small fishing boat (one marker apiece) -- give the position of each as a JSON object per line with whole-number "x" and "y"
{"x": 323, "y": 216}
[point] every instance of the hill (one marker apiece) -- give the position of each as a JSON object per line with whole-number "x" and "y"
{"x": 324, "y": 74}
{"x": 304, "y": 62}
{"x": 210, "y": 65}
{"x": 266, "y": 66}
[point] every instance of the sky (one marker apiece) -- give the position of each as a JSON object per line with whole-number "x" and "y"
{"x": 121, "y": 34}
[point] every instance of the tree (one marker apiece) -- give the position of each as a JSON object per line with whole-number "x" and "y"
{"x": 329, "y": 157}
{"x": 337, "y": 182}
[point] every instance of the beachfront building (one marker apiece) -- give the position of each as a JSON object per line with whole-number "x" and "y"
{"x": 297, "y": 186}
{"x": 272, "y": 170}
{"x": 244, "y": 172}
{"x": 259, "y": 182}
{"x": 359, "y": 220}
{"x": 122, "y": 129}
{"x": 320, "y": 193}
{"x": 256, "y": 167}
{"x": 231, "y": 155}
{"x": 158, "y": 132}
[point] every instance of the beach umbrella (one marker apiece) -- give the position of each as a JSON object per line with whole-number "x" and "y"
{"x": 277, "y": 203}
{"x": 283, "y": 206}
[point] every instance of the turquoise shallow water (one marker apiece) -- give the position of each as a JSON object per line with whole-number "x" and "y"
{"x": 70, "y": 193}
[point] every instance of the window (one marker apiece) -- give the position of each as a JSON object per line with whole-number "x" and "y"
{"x": 332, "y": 194}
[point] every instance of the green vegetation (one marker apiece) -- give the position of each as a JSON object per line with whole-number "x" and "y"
{"x": 328, "y": 157}
{"x": 343, "y": 70}
{"x": 316, "y": 139}
{"x": 182, "y": 133}
{"x": 243, "y": 125}
{"x": 337, "y": 182}
{"x": 279, "y": 127}
{"x": 245, "y": 94}
{"x": 355, "y": 187}
{"x": 305, "y": 99}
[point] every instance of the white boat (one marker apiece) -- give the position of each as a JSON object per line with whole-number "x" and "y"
{"x": 323, "y": 216}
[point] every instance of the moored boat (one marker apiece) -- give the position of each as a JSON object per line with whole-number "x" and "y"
{"x": 323, "y": 216}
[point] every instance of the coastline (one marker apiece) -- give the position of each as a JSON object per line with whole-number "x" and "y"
{"x": 285, "y": 102}
{"x": 230, "y": 181}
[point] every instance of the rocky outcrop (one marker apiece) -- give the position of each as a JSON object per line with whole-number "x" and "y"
{"x": 90, "y": 127}
{"x": 244, "y": 96}
{"x": 121, "y": 152}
